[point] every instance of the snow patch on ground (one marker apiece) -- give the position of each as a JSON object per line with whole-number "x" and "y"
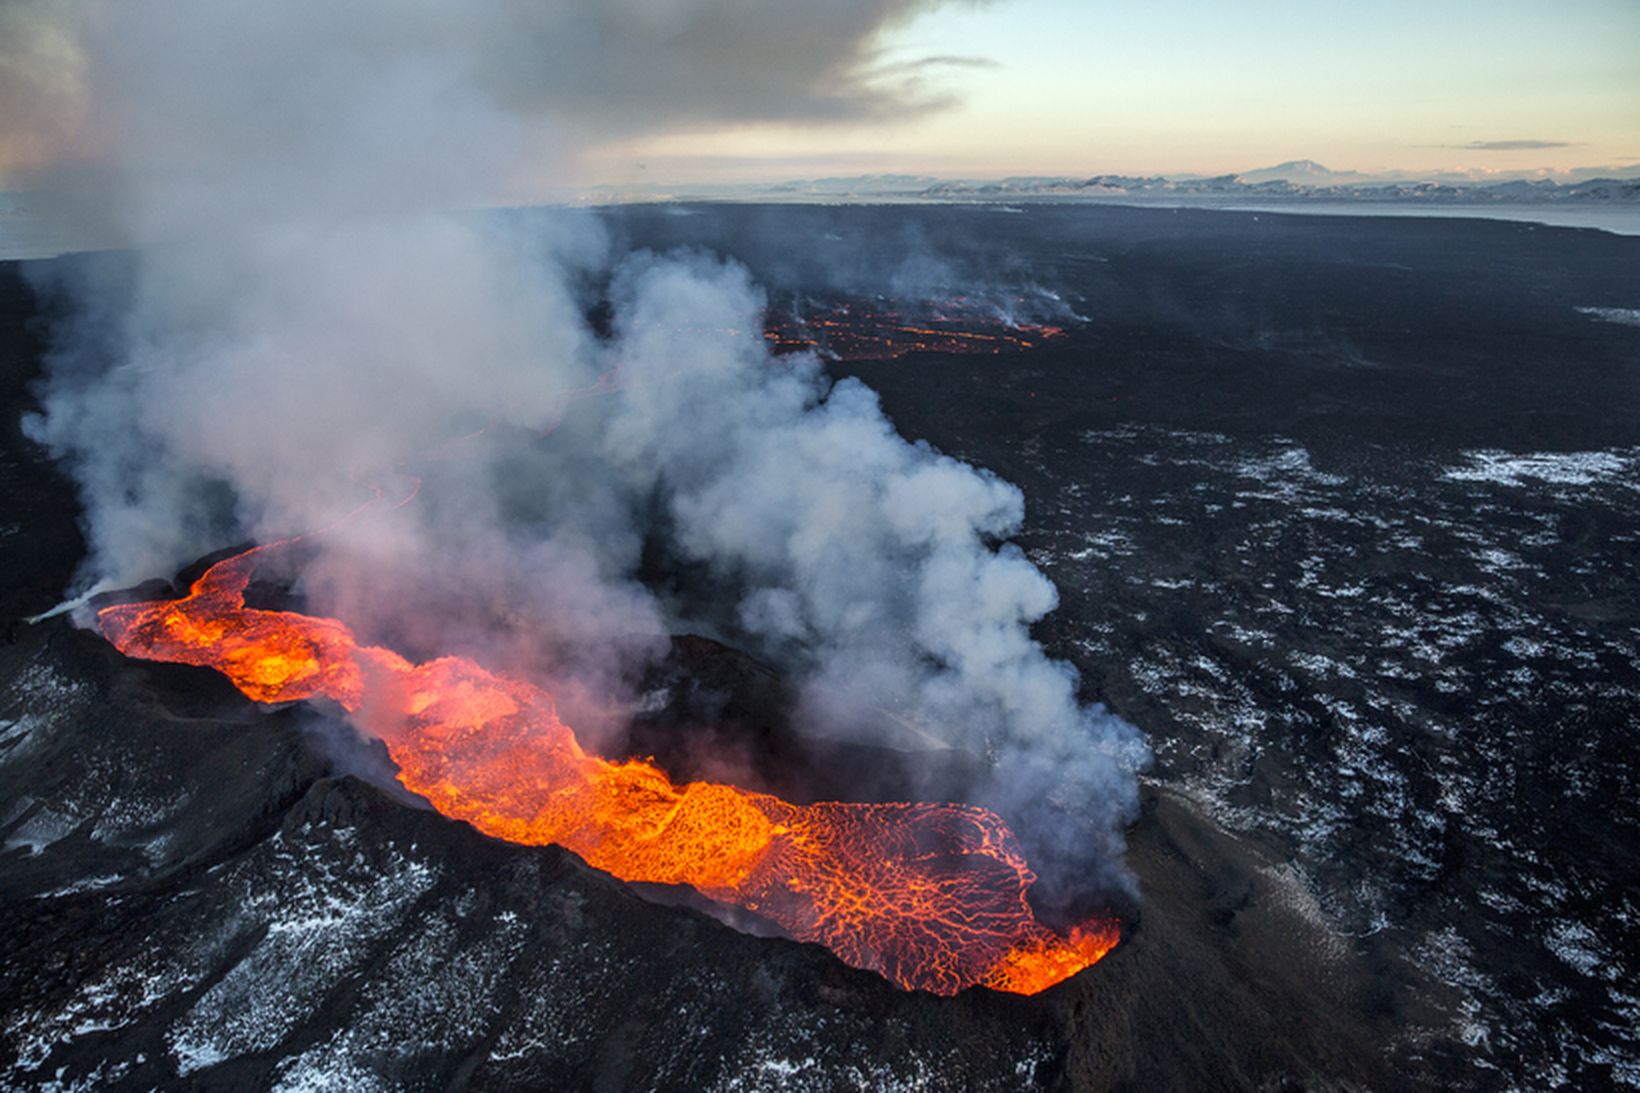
{"x": 318, "y": 926}
{"x": 1514, "y": 469}
{"x": 1625, "y": 316}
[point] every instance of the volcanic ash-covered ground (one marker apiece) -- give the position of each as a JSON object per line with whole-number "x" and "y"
{"x": 1342, "y": 513}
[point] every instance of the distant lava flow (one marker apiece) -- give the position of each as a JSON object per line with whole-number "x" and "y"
{"x": 931, "y": 896}
{"x": 861, "y": 330}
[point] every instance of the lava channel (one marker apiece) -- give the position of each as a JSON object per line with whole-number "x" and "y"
{"x": 931, "y": 896}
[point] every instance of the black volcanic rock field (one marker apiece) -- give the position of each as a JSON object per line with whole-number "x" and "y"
{"x": 1345, "y": 516}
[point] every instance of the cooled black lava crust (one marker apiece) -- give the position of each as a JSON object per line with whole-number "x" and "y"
{"x": 1344, "y": 513}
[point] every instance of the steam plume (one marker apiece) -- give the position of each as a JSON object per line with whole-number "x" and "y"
{"x": 305, "y": 322}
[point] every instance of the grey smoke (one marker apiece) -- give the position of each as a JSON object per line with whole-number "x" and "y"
{"x": 306, "y": 324}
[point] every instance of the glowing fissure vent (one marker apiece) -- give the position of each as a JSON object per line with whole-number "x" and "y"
{"x": 931, "y": 896}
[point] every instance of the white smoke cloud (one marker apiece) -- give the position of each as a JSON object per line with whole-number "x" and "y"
{"x": 307, "y": 323}
{"x": 861, "y": 557}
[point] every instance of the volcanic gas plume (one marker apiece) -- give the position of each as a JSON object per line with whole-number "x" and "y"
{"x": 305, "y": 307}
{"x": 932, "y": 896}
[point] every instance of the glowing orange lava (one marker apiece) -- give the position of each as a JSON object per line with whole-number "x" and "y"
{"x": 877, "y": 332}
{"x": 932, "y": 896}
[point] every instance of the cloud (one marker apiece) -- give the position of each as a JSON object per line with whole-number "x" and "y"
{"x": 1514, "y": 145}
{"x": 942, "y": 60}
{"x": 569, "y": 73}
{"x": 42, "y": 93}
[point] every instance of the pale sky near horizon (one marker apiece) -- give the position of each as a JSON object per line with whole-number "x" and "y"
{"x": 1190, "y": 86}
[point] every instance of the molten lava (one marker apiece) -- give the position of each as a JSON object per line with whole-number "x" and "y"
{"x": 932, "y": 896}
{"x": 868, "y": 330}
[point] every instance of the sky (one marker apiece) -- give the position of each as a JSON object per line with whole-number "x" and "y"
{"x": 1208, "y": 87}
{"x": 643, "y": 92}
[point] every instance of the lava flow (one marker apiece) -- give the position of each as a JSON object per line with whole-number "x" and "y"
{"x": 931, "y": 896}
{"x": 878, "y": 331}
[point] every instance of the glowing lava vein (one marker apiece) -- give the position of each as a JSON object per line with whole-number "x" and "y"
{"x": 931, "y": 896}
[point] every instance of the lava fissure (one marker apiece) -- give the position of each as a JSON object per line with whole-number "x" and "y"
{"x": 867, "y": 331}
{"x": 931, "y": 896}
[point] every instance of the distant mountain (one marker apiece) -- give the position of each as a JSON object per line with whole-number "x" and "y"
{"x": 857, "y": 184}
{"x": 1269, "y": 183}
{"x": 1298, "y": 180}
{"x": 1302, "y": 171}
